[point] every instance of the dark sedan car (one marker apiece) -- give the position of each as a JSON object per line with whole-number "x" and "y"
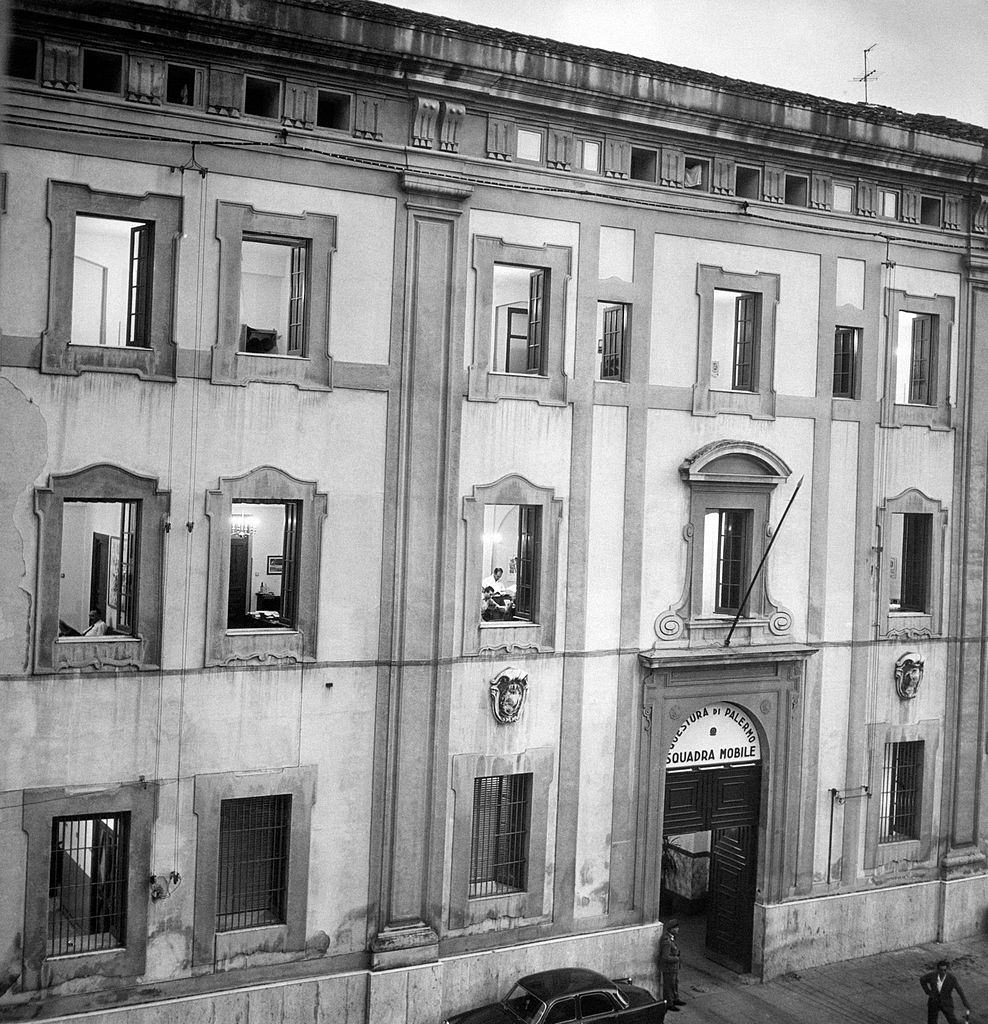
{"x": 567, "y": 995}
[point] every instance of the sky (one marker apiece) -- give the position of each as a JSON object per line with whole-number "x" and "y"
{"x": 930, "y": 55}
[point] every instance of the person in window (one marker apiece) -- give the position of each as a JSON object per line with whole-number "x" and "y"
{"x": 97, "y": 624}
{"x": 494, "y": 581}
{"x": 495, "y": 606}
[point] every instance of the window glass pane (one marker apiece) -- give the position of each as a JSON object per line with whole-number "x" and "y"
{"x": 111, "y": 278}
{"x": 845, "y": 362}
{"x": 590, "y": 156}
{"x": 97, "y": 589}
{"x": 562, "y": 1012}
{"x": 529, "y": 145}
{"x": 272, "y": 297}
{"x": 726, "y": 556}
{"x": 87, "y": 889}
{"x": 889, "y": 203}
{"x": 263, "y": 568}
{"x": 612, "y": 319}
{"x": 843, "y": 198}
{"x": 595, "y": 1002}
{"x": 253, "y": 862}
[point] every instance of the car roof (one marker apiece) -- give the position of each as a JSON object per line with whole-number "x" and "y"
{"x": 563, "y": 981}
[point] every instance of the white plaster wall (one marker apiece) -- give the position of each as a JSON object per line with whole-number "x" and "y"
{"x": 606, "y": 528}
{"x": 676, "y": 308}
{"x": 516, "y": 229}
{"x": 673, "y": 436}
{"x": 809, "y": 933}
{"x": 841, "y": 513}
{"x": 597, "y": 738}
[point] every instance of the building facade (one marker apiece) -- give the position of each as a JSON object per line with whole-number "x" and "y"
{"x": 463, "y": 495}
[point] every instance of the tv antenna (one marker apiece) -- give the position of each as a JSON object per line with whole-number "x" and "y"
{"x": 868, "y": 75}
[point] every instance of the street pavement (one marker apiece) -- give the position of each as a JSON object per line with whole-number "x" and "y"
{"x": 882, "y": 989}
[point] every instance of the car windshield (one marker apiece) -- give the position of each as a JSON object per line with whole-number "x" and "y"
{"x": 524, "y": 1005}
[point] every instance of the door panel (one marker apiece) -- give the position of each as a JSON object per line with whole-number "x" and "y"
{"x": 732, "y": 892}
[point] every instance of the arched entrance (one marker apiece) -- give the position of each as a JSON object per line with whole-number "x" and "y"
{"x": 712, "y": 794}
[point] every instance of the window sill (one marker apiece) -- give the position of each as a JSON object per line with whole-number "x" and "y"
{"x": 263, "y": 631}
{"x": 529, "y": 376}
{"x": 109, "y": 348}
{"x": 99, "y": 652}
{"x": 61, "y": 958}
{"x": 271, "y": 355}
{"x": 509, "y": 624}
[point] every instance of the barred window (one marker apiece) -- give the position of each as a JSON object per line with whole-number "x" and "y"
{"x": 253, "y": 862}
{"x": 902, "y": 782}
{"x": 499, "y": 836}
{"x": 87, "y": 887}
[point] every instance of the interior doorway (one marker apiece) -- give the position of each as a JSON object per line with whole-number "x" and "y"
{"x": 710, "y": 832}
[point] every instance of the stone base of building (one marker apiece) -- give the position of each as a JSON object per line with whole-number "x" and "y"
{"x": 800, "y": 934}
{"x": 405, "y": 995}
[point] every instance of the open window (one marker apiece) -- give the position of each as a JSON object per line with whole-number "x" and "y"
{"x": 519, "y": 321}
{"x": 732, "y": 485}
{"x": 512, "y": 532}
{"x": 110, "y": 305}
{"x": 263, "y": 583}
{"x": 521, "y": 300}
{"x": 88, "y": 863}
{"x": 696, "y": 174}
{"x": 912, "y": 531}
{"x": 613, "y": 329}
{"x": 99, "y": 570}
{"x": 512, "y": 543}
{"x": 736, "y": 355}
{"x": 273, "y": 310}
{"x": 263, "y": 587}
{"x": 274, "y": 297}
{"x": 918, "y": 361}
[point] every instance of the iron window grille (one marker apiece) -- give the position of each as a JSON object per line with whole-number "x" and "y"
{"x": 612, "y": 343}
{"x": 733, "y": 547}
{"x": 916, "y": 537}
{"x": 921, "y": 361}
{"x": 902, "y": 784}
{"x": 745, "y": 377}
{"x": 845, "y": 362}
{"x": 87, "y": 888}
{"x": 499, "y": 835}
{"x": 252, "y": 881}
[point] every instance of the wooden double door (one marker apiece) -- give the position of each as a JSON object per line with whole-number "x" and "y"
{"x": 725, "y": 803}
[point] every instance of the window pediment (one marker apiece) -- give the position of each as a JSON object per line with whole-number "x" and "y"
{"x": 734, "y": 461}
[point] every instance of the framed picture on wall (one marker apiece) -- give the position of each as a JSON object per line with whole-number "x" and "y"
{"x": 113, "y": 581}
{"x": 276, "y": 565}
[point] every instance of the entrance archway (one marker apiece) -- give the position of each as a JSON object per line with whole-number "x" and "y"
{"x": 712, "y": 796}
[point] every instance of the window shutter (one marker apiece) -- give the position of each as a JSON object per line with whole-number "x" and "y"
{"x": 920, "y": 369}
{"x": 529, "y": 521}
{"x": 289, "y": 579}
{"x": 126, "y": 589}
{"x": 139, "y": 292}
{"x": 296, "y": 302}
{"x": 613, "y": 354}
{"x": 537, "y": 294}
{"x": 744, "y": 343}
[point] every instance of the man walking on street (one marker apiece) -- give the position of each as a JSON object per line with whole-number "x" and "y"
{"x": 940, "y": 986}
{"x": 668, "y": 964}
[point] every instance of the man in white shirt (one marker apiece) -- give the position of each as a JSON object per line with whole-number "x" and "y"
{"x": 97, "y": 626}
{"x": 494, "y": 581}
